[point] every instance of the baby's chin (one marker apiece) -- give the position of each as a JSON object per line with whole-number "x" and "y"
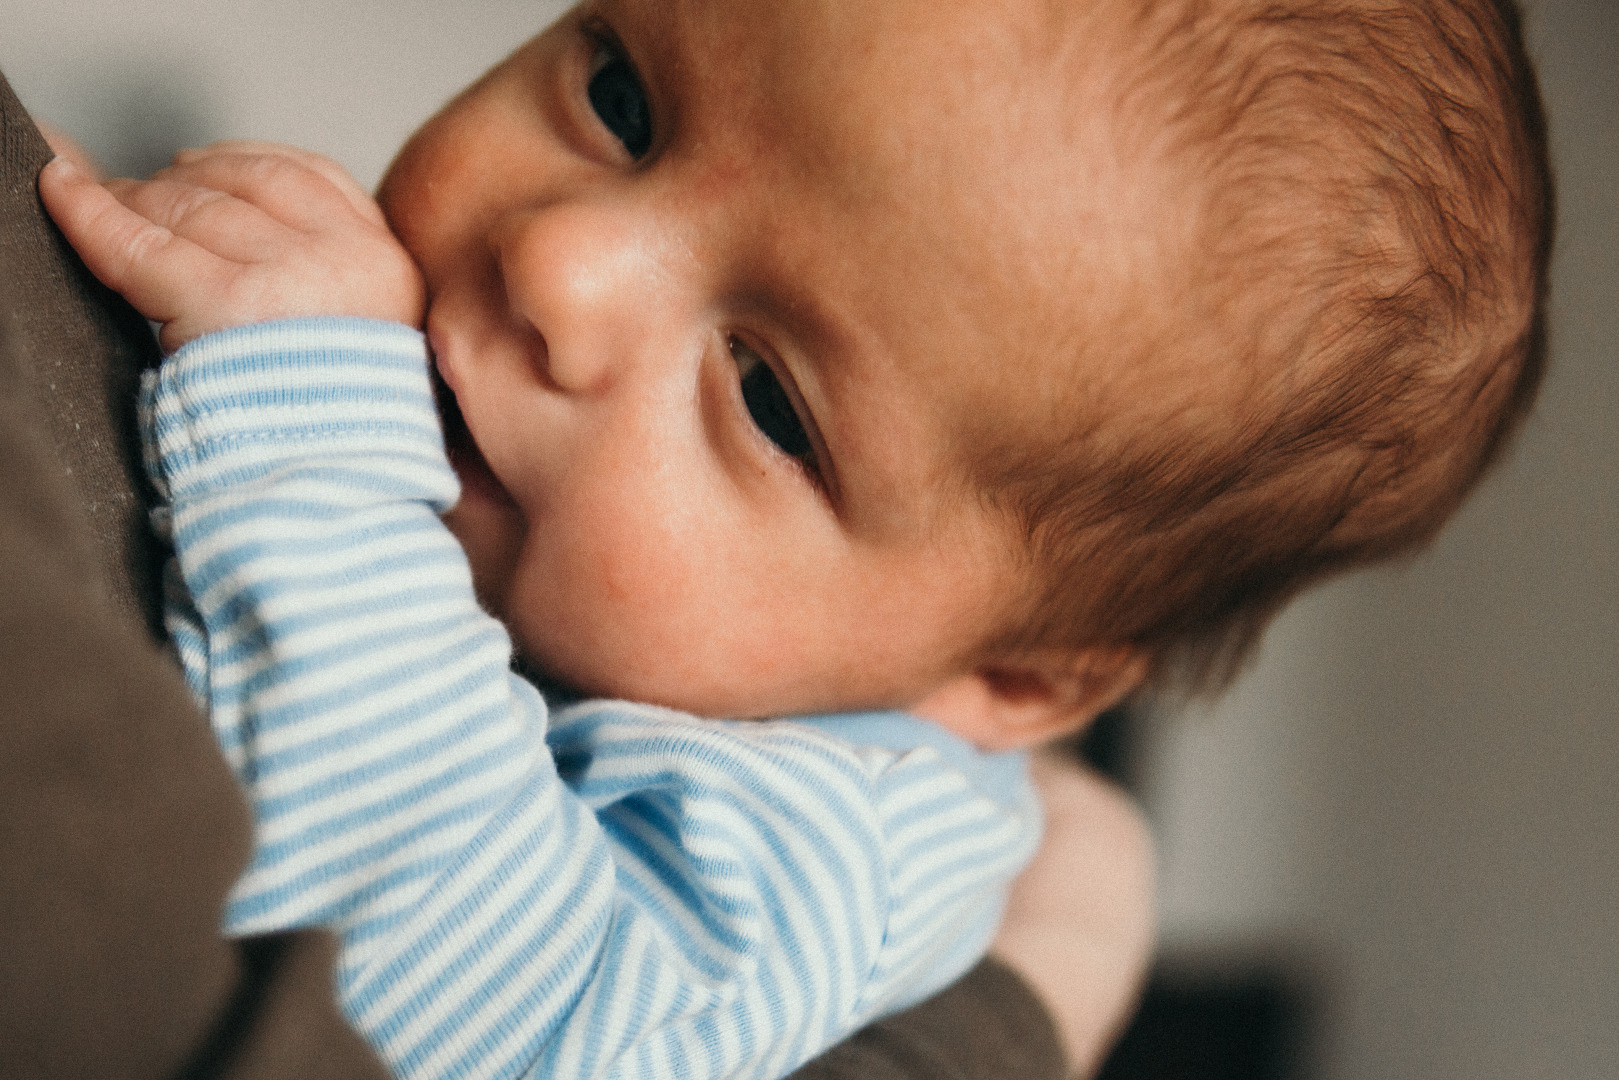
{"x": 734, "y": 695}
{"x": 557, "y": 691}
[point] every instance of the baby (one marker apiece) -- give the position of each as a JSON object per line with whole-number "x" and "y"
{"x": 983, "y": 359}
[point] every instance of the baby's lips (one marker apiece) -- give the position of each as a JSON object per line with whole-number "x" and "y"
{"x": 466, "y": 458}
{"x": 477, "y": 478}
{"x": 435, "y": 353}
{"x": 447, "y": 346}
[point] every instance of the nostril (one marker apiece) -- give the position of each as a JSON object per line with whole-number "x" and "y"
{"x": 538, "y": 351}
{"x": 522, "y": 279}
{"x": 553, "y": 370}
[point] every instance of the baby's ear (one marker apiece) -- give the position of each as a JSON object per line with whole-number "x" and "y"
{"x": 1034, "y": 696}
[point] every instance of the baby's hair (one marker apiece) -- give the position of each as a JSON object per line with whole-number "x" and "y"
{"x": 1369, "y": 263}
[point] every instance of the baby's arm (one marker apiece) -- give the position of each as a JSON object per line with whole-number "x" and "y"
{"x": 235, "y": 234}
{"x": 700, "y": 899}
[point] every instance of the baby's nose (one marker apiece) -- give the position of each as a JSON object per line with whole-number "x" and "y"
{"x": 586, "y": 284}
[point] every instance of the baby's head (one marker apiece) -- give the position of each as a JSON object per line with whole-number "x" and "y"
{"x": 1357, "y": 324}
{"x": 987, "y": 355}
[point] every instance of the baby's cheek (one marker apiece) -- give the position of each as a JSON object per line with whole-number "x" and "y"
{"x": 644, "y": 618}
{"x": 584, "y": 612}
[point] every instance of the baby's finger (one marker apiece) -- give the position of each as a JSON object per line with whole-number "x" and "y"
{"x": 210, "y": 218}
{"x": 153, "y": 269}
{"x": 286, "y": 190}
{"x": 65, "y": 145}
{"x": 357, "y": 196}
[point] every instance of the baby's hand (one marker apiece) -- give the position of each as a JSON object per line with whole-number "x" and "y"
{"x": 235, "y": 234}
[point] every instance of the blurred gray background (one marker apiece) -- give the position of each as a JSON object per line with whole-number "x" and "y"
{"x": 1414, "y": 795}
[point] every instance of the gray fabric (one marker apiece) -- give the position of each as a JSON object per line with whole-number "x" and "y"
{"x": 79, "y": 350}
{"x": 988, "y": 1026}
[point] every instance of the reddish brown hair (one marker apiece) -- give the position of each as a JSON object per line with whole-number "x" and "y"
{"x": 1373, "y": 239}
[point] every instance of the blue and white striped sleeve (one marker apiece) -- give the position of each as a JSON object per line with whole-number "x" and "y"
{"x": 615, "y": 891}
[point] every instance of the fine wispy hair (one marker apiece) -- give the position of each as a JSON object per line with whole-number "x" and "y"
{"x": 1371, "y": 229}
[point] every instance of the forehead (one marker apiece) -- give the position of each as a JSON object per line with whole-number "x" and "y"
{"x": 932, "y": 116}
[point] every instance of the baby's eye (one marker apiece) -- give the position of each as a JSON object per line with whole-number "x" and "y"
{"x": 771, "y": 408}
{"x": 619, "y": 99}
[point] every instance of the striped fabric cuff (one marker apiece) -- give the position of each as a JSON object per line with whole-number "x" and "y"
{"x": 241, "y": 403}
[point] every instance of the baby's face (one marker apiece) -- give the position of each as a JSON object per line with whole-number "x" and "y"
{"x": 726, "y": 292}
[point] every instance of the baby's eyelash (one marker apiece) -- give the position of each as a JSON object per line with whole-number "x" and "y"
{"x": 771, "y": 407}
{"x": 617, "y": 95}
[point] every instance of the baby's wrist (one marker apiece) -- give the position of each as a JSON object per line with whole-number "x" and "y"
{"x": 248, "y": 401}
{"x": 303, "y": 301}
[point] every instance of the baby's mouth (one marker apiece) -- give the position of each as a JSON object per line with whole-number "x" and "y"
{"x": 465, "y": 457}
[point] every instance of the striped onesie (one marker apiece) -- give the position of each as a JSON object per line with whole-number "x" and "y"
{"x": 600, "y": 890}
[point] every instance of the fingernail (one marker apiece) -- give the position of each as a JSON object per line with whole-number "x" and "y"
{"x": 64, "y": 168}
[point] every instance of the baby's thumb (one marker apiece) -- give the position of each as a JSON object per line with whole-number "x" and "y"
{"x": 68, "y": 147}
{"x": 151, "y": 267}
